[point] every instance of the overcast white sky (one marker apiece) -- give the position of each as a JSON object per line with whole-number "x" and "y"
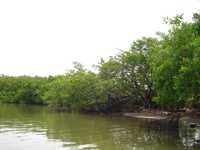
{"x": 43, "y": 37}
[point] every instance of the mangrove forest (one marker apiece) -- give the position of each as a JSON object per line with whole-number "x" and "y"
{"x": 160, "y": 72}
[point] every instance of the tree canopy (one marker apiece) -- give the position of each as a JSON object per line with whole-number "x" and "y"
{"x": 161, "y": 71}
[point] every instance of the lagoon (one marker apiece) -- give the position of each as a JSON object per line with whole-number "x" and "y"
{"x": 26, "y": 127}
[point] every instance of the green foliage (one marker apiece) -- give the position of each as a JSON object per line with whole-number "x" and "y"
{"x": 56, "y": 93}
{"x": 21, "y": 89}
{"x": 165, "y": 70}
{"x": 76, "y": 90}
{"x": 109, "y": 69}
{"x": 175, "y": 64}
{"x": 136, "y": 73}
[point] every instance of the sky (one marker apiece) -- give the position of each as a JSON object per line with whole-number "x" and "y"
{"x": 45, "y": 37}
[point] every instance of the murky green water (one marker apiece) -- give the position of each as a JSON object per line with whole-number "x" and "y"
{"x": 35, "y": 128}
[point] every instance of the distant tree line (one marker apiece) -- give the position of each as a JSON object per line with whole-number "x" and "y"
{"x": 161, "y": 71}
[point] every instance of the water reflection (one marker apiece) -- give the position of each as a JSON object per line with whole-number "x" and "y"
{"x": 189, "y": 132}
{"x": 31, "y": 127}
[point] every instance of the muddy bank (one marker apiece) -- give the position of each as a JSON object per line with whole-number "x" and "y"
{"x": 162, "y": 119}
{"x": 145, "y": 116}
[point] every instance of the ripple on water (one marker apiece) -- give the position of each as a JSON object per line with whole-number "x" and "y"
{"x": 42, "y": 130}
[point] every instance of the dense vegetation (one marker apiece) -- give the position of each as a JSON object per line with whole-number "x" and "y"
{"x": 161, "y": 71}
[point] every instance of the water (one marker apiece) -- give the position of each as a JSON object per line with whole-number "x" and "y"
{"x": 35, "y": 128}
